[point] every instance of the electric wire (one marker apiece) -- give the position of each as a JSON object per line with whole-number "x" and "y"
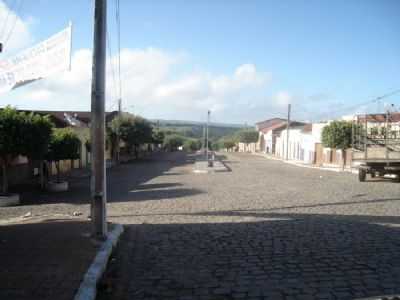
{"x": 118, "y": 23}
{"x": 10, "y": 8}
{"x": 114, "y": 89}
{"x": 17, "y": 12}
{"x": 355, "y": 106}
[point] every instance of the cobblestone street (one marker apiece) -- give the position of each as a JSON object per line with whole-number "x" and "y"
{"x": 266, "y": 230}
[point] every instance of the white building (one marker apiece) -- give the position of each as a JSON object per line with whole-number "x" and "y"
{"x": 302, "y": 142}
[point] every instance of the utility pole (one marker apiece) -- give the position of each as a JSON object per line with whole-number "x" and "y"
{"x": 208, "y": 121}
{"x": 387, "y": 132}
{"x": 287, "y": 133}
{"x": 99, "y": 193}
{"x": 118, "y": 140}
{"x": 203, "y": 142}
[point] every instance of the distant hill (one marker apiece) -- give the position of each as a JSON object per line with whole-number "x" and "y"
{"x": 195, "y": 129}
{"x": 189, "y": 123}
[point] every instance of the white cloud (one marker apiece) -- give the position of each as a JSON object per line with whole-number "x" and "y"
{"x": 283, "y": 98}
{"x": 151, "y": 84}
{"x": 13, "y": 28}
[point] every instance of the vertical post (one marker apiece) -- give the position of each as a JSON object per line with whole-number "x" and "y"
{"x": 98, "y": 204}
{"x": 387, "y": 134}
{"x": 208, "y": 121}
{"x": 118, "y": 140}
{"x": 365, "y": 132}
{"x": 203, "y": 145}
{"x": 352, "y": 134}
{"x": 287, "y": 133}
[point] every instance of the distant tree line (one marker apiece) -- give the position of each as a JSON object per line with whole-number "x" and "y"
{"x": 245, "y": 135}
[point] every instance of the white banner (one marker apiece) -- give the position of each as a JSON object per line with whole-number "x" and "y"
{"x": 48, "y": 57}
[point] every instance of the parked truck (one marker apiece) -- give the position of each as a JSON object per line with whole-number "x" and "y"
{"x": 376, "y": 145}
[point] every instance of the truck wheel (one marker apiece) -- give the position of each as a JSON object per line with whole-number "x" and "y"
{"x": 373, "y": 175}
{"x": 362, "y": 174}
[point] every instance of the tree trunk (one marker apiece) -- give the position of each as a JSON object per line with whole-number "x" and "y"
{"x": 86, "y": 158}
{"x": 343, "y": 159}
{"x": 5, "y": 178}
{"x": 135, "y": 151}
{"x": 117, "y": 150}
{"x": 58, "y": 170}
{"x": 41, "y": 176}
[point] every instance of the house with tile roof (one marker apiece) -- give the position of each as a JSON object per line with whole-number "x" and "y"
{"x": 269, "y": 130}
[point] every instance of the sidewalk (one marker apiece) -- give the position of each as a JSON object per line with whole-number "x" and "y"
{"x": 302, "y": 164}
{"x": 44, "y": 258}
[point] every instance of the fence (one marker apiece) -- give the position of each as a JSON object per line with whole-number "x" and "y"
{"x": 331, "y": 156}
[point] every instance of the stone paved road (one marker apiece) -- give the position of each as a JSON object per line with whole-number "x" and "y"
{"x": 266, "y": 230}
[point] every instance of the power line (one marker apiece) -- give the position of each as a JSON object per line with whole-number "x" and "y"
{"x": 118, "y": 21}
{"x": 112, "y": 67}
{"x": 10, "y": 8}
{"x": 17, "y": 12}
{"x": 352, "y": 107}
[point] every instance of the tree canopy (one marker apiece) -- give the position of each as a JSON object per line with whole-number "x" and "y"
{"x": 37, "y": 133}
{"x": 64, "y": 144}
{"x": 133, "y": 130}
{"x": 22, "y": 134}
{"x": 337, "y": 135}
{"x": 247, "y": 136}
{"x": 228, "y": 143}
{"x": 158, "y": 137}
{"x": 11, "y": 133}
{"x": 191, "y": 144}
{"x": 11, "y": 139}
{"x": 172, "y": 142}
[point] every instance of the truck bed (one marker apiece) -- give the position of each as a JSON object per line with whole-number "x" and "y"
{"x": 376, "y": 154}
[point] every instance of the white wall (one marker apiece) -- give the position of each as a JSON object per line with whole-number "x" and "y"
{"x": 267, "y": 142}
{"x": 301, "y": 144}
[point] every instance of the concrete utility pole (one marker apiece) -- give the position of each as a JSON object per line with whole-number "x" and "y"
{"x": 99, "y": 193}
{"x": 287, "y": 133}
{"x": 118, "y": 150}
{"x": 208, "y": 121}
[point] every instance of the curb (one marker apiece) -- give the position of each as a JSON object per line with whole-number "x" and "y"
{"x": 351, "y": 171}
{"x": 88, "y": 288}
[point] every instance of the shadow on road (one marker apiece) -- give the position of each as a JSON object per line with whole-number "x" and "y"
{"x": 45, "y": 260}
{"x": 121, "y": 181}
{"x": 284, "y": 256}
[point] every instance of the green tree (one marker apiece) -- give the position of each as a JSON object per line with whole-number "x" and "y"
{"x": 216, "y": 145}
{"x": 11, "y": 140}
{"x": 141, "y": 133}
{"x": 172, "y": 142}
{"x": 37, "y": 132}
{"x": 247, "y": 136}
{"x": 337, "y": 135}
{"x": 228, "y": 143}
{"x": 119, "y": 129}
{"x": 64, "y": 144}
{"x": 191, "y": 144}
{"x": 158, "y": 137}
{"x": 134, "y": 131}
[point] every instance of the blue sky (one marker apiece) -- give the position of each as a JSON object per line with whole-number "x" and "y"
{"x": 245, "y": 60}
